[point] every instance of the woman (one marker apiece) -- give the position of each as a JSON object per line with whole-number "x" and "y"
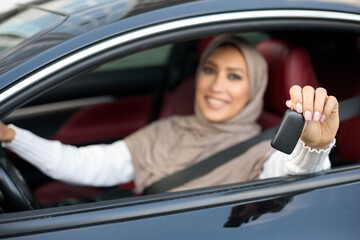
{"x": 231, "y": 81}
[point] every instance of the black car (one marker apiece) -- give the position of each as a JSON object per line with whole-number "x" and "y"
{"x": 86, "y": 72}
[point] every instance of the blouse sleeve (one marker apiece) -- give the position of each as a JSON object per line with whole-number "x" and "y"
{"x": 302, "y": 160}
{"x": 93, "y": 165}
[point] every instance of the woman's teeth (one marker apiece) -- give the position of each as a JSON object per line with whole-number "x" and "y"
{"x": 216, "y": 102}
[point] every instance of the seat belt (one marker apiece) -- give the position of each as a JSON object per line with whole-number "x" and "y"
{"x": 347, "y": 109}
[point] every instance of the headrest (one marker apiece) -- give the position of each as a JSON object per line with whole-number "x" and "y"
{"x": 203, "y": 44}
{"x": 289, "y": 65}
{"x": 181, "y": 64}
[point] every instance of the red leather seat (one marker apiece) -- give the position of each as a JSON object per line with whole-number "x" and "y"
{"x": 180, "y": 101}
{"x": 337, "y": 64}
{"x": 288, "y": 65}
{"x": 347, "y": 141}
{"x": 106, "y": 121}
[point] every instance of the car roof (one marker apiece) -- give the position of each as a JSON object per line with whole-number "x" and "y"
{"x": 72, "y": 7}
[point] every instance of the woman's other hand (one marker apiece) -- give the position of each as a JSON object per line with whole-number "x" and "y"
{"x": 321, "y": 113}
{"x": 6, "y": 134}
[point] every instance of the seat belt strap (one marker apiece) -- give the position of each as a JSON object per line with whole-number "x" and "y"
{"x": 348, "y": 108}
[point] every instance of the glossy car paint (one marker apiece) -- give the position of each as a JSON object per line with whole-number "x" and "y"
{"x": 303, "y": 208}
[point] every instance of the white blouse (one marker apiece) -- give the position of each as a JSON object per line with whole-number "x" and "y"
{"x": 111, "y": 164}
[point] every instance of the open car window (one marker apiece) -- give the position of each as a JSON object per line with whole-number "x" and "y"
{"x": 147, "y": 81}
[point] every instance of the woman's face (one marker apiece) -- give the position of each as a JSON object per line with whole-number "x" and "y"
{"x": 223, "y": 86}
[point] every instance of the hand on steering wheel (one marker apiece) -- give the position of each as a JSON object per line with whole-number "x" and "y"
{"x": 16, "y": 192}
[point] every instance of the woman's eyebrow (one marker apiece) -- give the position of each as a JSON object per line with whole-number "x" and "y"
{"x": 228, "y": 68}
{"x": 210, "y": 62}
{"x": 235, "y": 69}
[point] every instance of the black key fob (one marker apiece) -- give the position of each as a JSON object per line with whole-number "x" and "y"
{"x": 288, "y": 132}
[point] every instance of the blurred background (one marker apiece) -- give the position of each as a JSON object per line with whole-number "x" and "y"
{"x": 7, "y": 5}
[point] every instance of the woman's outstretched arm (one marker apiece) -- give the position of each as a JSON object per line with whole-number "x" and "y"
{"x": 94, "y": 165}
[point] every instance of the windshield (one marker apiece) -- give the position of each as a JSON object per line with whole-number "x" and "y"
{"x": 23, "y": 26}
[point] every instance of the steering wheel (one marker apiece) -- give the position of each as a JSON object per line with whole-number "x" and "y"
{"x": 13, "y": 186}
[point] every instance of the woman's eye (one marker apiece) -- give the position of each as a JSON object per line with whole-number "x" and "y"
{"x": 233, "y": 76}
{"x": 208, "y": 70}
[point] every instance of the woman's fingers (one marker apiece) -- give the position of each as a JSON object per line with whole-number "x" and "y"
{"x": 308, "y": 102}
{"x": 288, "y": 104}
{"x": 320, "y": 98}
{"x": 296, "y": 98}
{"x": 330, "y": 105}
{"x": 316, "y": 107}
{"x": 6, "y": 134}
{"x": 314, "y": 104}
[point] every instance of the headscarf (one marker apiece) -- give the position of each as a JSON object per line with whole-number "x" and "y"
{"x": 175, "y": 143}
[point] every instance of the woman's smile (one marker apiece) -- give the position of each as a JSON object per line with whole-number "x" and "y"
{"x": 216, "y": 103}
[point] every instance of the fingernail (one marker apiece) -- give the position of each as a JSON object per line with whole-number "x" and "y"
{"x": 316, "y": 117}
{"x": 322, "y": 118}
{"x": 307, "y": 115}
{"x": 299, "y": 108}
{"x": 288, "y": 103}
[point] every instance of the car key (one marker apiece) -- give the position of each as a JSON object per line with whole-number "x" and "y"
{"x": 288, "y": 132}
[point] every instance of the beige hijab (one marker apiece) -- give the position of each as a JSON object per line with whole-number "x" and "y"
{"x": 172, "y": 144}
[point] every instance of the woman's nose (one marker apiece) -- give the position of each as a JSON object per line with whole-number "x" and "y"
{"x": 218, "y": 83}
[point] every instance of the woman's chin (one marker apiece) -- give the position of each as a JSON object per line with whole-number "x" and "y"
{"x": 216, "y": 116}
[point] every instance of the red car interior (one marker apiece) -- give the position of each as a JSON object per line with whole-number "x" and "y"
{"x": 338, "y": 62}
{"x": 288, "y": 63}
{"x": 105, "y": 121}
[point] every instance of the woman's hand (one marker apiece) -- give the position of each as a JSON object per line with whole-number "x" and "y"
{"x": 6, "y": 134}
{"x": 321, "y": 113}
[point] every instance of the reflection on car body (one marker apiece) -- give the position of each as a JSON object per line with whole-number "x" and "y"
{"x": 250, "y": 212}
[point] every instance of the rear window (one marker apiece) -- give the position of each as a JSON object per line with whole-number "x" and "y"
{"x": 21, "y": 27}
{"x": 155, "y": 57}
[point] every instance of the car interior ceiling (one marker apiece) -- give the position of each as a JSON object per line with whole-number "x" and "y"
{"x": 333, "y": 60}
